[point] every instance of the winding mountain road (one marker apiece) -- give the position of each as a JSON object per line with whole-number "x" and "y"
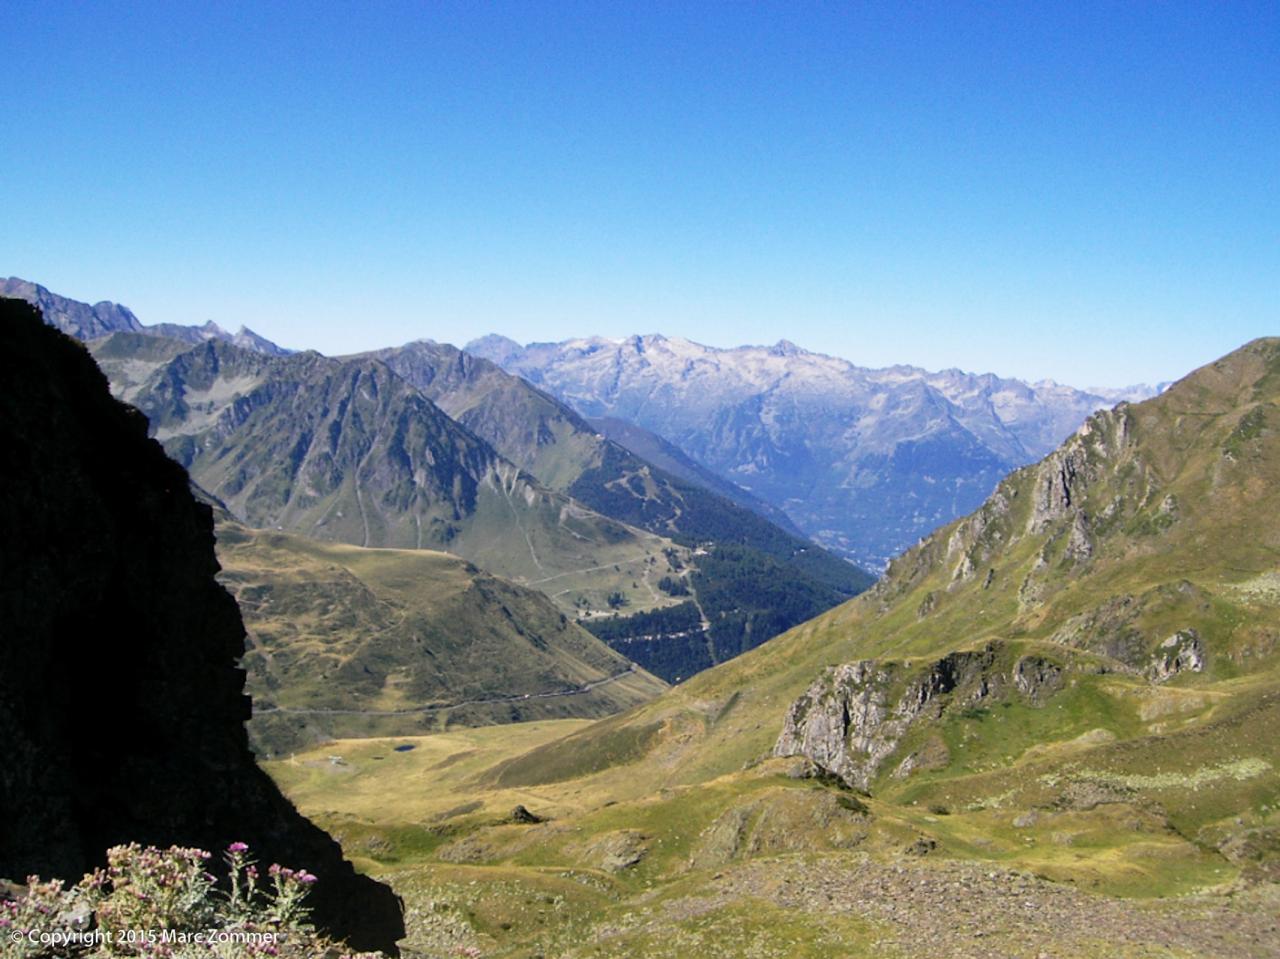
{"x": 576, "y": 691}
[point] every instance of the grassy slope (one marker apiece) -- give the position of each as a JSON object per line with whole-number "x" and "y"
{"x": 374, "y": 631}
{"x": 1225, "y": 542}
{"x": 1114, "y": 784}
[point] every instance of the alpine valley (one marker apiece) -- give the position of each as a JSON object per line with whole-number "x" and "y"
{"x": 426, "y": 447}
{"x": 536, "y": 635}
{"x": 1050, "y": 729}
{"x": 583, "y": 481}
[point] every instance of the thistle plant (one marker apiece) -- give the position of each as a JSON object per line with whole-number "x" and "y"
{"x": 156, "y": 889}
{"x": 242, "y": 877}
{"x": 165, "y": 904}
{"x": 290, "y": 887}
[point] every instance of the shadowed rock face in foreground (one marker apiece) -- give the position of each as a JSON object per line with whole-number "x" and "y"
{"x": 121, "y": 703}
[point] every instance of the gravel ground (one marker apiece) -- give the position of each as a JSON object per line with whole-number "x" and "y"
{"x": 961, "y": 911}
{"x": 916, "y": 908}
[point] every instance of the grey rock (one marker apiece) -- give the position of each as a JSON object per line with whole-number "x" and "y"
{"x": 852, "y": 718}
{"x": 921, "y": 847}
{"x": 522, "y": 815}
{"x": 1037, "y": 678}
{"x": 1063, "y": 478}
{"x": 1181, "y": 652}
{"x": 1079, "y": 543}
{"x": 619, "y": 851}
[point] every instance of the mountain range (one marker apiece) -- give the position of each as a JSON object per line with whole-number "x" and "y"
{"x": 864, "y": 461}
{"x": 546, "y": 437}
{"x": 1065, "y": 700}
{"x": 346, "y": 451}
{"x": 427, "y": 447}
{"x": 744, "y": 577}
{"x": 575, "y": 476}
{"x": 361, "y": 450}
{"x": 1051, "y": 724}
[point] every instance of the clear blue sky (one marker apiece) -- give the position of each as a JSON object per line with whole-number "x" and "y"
{"x": 1077, "y": 190}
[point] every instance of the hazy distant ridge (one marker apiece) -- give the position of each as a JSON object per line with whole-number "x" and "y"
{"x": 90, "y": 322}
{"x": 866, "y": 461}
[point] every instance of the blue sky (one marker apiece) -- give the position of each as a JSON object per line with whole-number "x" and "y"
{"x": 1077, "y": 190}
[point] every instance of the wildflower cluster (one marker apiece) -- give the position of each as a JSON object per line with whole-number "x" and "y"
{"x": 155, "y": 889}
{"x": 46, "y": 906}
{"x": 250, "y": 899}
{"x": 165, "y": 904}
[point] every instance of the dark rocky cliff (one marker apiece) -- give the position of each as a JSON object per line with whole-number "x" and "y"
{"x": 121, "y": 702}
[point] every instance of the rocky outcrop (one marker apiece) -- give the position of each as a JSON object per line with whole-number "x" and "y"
{"x": 1056, "y": 487}
{"x": 121, "y": 703}
{"x": 1037, "y": 678}
{"x": 1079, "y": 546}
{"x": 846, "y": 722}
{"x": 854, "y": 717}
{"x": 780, "y": 822}
{"x": 1063, "y": 477}
{"x": 1181, "y": 652}
{"x": 618, "y": 851}
{"x": 1121, "y": 629}
{"x": 1111, "y": 629}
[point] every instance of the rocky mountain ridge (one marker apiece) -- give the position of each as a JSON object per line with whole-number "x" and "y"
{"x": 864, "y": 460}
{"x": 346, "y": 451}
{"x": 89, "y": 322}
{"x": 551, "y": 441}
